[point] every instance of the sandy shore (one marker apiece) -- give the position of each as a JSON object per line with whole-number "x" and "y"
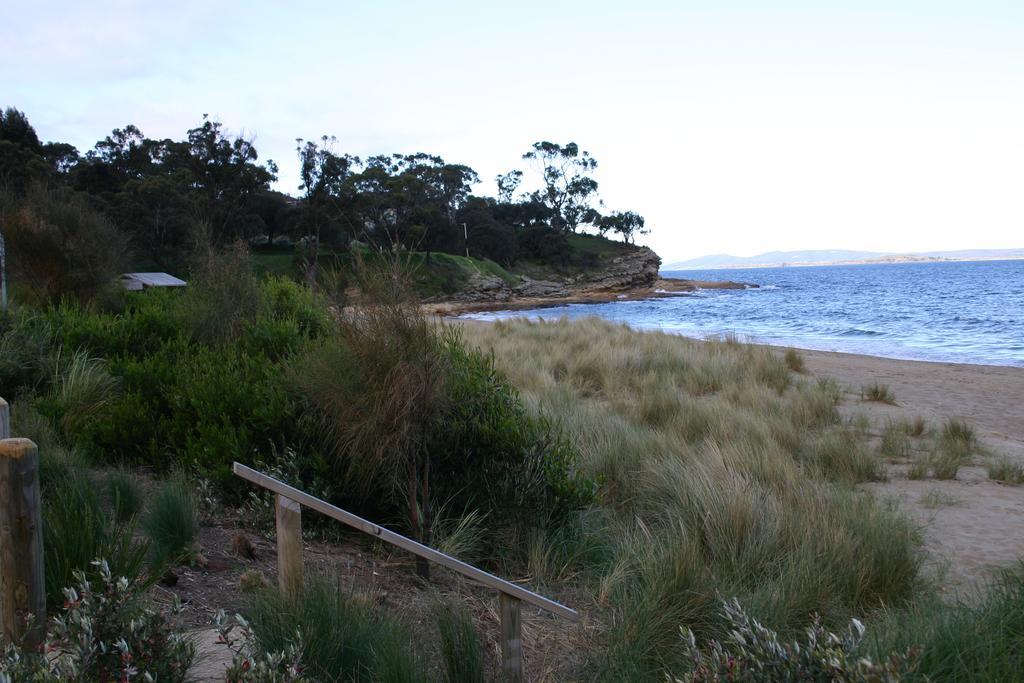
{"x": 972, "y": 526}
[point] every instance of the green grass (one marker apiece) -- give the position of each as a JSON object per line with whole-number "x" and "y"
{"x": 171, "y": 521}
{"x": 895, "y": 441}
{"x": 878, "y": 393}
{"x": 461, "y": 648}
{"x": 976, "y": 639}
{"x": 1005, "y": 471}
{"x": 125, "y": 495}
{"x": 77, "y": 530}
{"x": 343, "y": 637}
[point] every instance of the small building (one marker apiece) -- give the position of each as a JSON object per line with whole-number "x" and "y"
{"x": 138, "y": 281}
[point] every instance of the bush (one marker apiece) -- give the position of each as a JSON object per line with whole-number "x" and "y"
{"x": 416, "y": 420}
{"x": 171, "y": 522}
{"x": 754, "y": 653}
{"x": 251, "y": 665}
{"x": 108, "y": 634}
{"x": 60, "y": 246}
{"x": 342, "y": 638}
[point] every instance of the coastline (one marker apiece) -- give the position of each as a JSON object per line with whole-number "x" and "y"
{"x": 662, "y": 288}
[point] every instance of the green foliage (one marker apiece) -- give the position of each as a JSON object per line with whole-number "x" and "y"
{"x": 249, "y": 664}
{"x": 125, "y": 495}
{"x": 755, "y": 654}
{"x": 171, "y": 522}
{"x": 60, "y": 246}
{"x": 490, "y": 454}
{"x": 342, "y": 638}
{"x": 77, "y": 530}
{"x": 976, "y": 638}
{"x": 104, "y": 633}
{"x": 25, "y": 344}
{"x": 461, "y": 649}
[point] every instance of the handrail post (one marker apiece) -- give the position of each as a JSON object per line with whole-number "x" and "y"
{"x": 22, "y": 586}
{"x": 5, "y": 420}
{"x": 511, "y": 638}
{"x": 289, "y": 545}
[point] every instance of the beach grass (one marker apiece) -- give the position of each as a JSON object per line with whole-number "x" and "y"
{"x": 878, "y": 393}
{"x": 721, "y": 473}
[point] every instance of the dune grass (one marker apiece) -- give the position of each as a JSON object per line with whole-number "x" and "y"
{"x": 879, "y": 393}
{"x": 974, "y": 639}
{"x": 722, "y": 473}
{"x": 124, "y": 494}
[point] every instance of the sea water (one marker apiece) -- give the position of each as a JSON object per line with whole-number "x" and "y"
{"x": 965, "y": 312}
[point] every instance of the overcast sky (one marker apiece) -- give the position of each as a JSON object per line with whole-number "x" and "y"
{"x": 736, "y": 127}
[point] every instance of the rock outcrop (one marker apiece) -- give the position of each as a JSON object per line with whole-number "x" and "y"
{"x": 637, "y": 269}
{"x": 634, "y": 270}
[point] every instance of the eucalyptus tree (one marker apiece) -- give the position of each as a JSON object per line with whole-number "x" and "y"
{"x": 568, "y": 188}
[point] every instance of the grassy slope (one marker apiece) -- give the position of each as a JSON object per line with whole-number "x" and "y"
{"x": 433, "y": 275}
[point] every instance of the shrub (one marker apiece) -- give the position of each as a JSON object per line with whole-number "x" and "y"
{"x": 416, "y": 419}
{"x": 60, "y": 246}
{"x": 752, "y": 652}
{"x": 461, "y": 649}
{"x": 105, "y": 634}
{"x": 249, "y": 664}
{"x": 879, "y": 393}
{"x": 341, "y": 637}
{"x": 125, "y": 495}
{"x": 171, "y": 522}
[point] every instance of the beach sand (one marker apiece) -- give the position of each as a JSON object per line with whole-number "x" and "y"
{"x": 978, "y": 525}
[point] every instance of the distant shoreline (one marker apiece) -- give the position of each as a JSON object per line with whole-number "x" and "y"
{"x": 881, "y": 261}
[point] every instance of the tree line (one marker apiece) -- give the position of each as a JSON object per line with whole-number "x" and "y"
{"x": 211, "y": 187}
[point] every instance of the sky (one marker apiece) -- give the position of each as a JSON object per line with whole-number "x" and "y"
{"x": 733, "y": 127}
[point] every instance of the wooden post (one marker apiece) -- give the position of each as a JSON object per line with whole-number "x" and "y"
{"x": 289, "y": 545}
{"x": 511, "y": 639}
{"x": 5, "y": 420}
{"x": 22, "y": 587}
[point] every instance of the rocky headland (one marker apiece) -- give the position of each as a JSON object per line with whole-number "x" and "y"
{"x": 633, "y": 275}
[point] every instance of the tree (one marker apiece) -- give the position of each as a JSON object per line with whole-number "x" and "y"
{"x": 568, "y": 188}
{"x": 225, "y": 176}
{"x": 324, "y": 177}
{"x": 628, "y": 224}
{"x": 14, "y": 127}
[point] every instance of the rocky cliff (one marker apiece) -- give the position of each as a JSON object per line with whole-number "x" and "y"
{"x": 634, "y": 270}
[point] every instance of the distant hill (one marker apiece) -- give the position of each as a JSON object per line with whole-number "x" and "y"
{"x": 834, "y": 256}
